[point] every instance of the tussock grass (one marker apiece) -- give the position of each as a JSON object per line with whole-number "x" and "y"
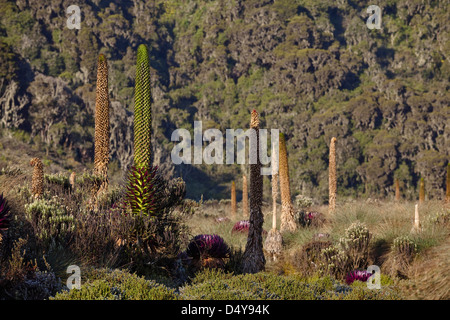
{"x": 386, "y": 221}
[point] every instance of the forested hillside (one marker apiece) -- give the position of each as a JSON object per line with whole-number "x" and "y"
{"x": 311, "y": 68}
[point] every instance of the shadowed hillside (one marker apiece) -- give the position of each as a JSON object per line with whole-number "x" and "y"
{"x": 311, "y": 68}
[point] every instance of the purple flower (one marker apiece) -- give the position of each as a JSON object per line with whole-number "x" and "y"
{"x": 241, "y": 226}
{"x": 357, "y": 275}
{"x": 208, "y": 246}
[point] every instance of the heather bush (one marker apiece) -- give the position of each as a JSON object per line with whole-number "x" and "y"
{"x": 404, "y": 245}
{"x": 403, "y": 250}
{"x": 335, "y": 262}
{"x": 309, "y": 258}
{"x": 441, "y": 217}
{"x": 259, "y": 286}
{"x": 220, "y": 285}
{"x": 39, "y": 286}
{"x": 21, "y": 279}
{"x": 117, "y": 285}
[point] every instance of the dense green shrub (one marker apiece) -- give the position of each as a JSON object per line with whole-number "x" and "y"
{"x": 117, "y": 285}
{"x": 220, "y": 285}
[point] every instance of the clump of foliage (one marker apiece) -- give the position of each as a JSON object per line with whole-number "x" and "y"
{"x": 117, "y": 284}
{"x": 303, "y": 201}
{"x": 142, "y": 190}
{"x": 154, "y": 238}
{"x": 440, "y": 218}
{"x": 335, "y": 262}
{"x": 21, "y": 279}
{"x": 50, "y": 219}
{"x": 403, "y": 250}
{"x": 310, "y": 218}
{"x": 355, "y": 243}
{"x": 309, "y": 259}
{"x": 220, "y": 285}
{"x": 404, "y": 245}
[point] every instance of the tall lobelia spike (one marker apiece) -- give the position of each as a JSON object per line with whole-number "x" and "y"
{"x": 287, "y": 210}
{"x": 253, "y": 259}
{"x": 142, "y": 110}
{"x": 332, "y": 179}
{"x": 102, "y": 104}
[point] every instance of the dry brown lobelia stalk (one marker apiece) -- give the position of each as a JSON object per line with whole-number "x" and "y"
{"x": 332, "y": 182}
{"x": 253, "y": 260}
{"x": 37, "y": 182}
{"x": 287, "y": 209}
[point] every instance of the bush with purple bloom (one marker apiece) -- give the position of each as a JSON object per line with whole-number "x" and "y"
{"x": 241, "y": 226}
{"x": 208, "y": 250}
{"x": 357, "y": 275}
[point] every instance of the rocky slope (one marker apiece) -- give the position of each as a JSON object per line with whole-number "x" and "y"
{"x": 311, "y": 68}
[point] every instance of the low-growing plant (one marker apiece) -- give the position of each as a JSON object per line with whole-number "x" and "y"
{"x": 118, "y": 285}
{"x": 404, "y": 245}
{"x": 335, "y": 262}
{"x": 220, "y": 285}
{"x": 309, "y": 258}
{"x": 50, "y": 219}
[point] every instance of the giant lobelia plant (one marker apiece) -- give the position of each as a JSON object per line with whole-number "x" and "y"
{"x": 143, "y": 187}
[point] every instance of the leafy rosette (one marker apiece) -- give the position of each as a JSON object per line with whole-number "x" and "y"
{"x": 208, "y": 250}
{"x": 142, "y": 190}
